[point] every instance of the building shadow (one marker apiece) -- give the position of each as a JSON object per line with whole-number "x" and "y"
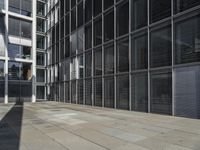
{"x": 10, "y": 128}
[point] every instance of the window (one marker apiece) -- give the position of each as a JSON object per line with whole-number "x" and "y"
{"x": 2, "y": 70}
{"x": 67, "y": 47}
{"x": 67, "y": 92}
{"x": 98, "y": 92}
{"x": 88, "y": 36}
{"x": 123, "y": 55}
{"x": 187, "y": 87}
{"x": 88, "y": 10}
{"x": 80, "y": 14}
{"x": 139, "y": 92}
{"x": 73, "y": 68}
{"x": 98, "y": 62}
{"x": 2, "y": 91}
{"x": 109, "y": 92}
{"x": 97, "y": 7}
{"x": 97, "y": 31}
{"x": 2, "y": 4}
{"x": 73, "y": 3}
{"x": 2, "y": 24}
{"x": 187, "y": 41}
{"x": 160, "y": 49}
{"x": 88, "y": 64}
{"x": 26, "y": 71}
{"x": 80, "y": 92}
{"x": 23, "y": 7}
{"x": 73, "y": 19}
{"x": 19, "y": 51}
{"x": 13, "y": 71}
{"x": 109, "y": 59}
{"x": 159, "y": 10}
{"x": 161, "y": 92}
{"x": 122, "y": 18}
{"x": 139, "y": 52}
{"x": 40, "y": 8}
{"x": 88, "y": 92}
{"x": 181, "y": 5}
{"x": 123, "y": 92}
{"x": 40, "y": 25}
{"x": 20, "y": 28}
{"x": 109, "y": 26}
{"x": 73, "y": 91}
{"x": 80, "y": 37}
{"x": 138, "y": 14}
{"x": 108, "y": 3}
{"x": 66, "y": 6}
{"x": 73, "y": 44}
{"x": 80, "y": 66}
{"x": 40, "y": 75}
{"x": 40, "y": 59}
{"x": 67, "y": 24}
{"x": 40, "y": 42}
{"x": 62, "y": 8}
{"x": 40, "y": 92}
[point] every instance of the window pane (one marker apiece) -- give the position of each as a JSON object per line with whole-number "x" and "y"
{"x": 109, "y": 92}
{"x": 139, "y": 14}
{"x": 109, "y": 26}
{"x": 88, "y": 10}
{"x": 2, "y": 91}
{"x": 88, "y": 64}
{"x": 40, "y": 59}
{"x": 123, "y": 55}
{"x": 2, "y": 4}
{"x": 161, "y": 93}
{"x": 80, "y": 92}
{"x": 26, "y": 71}
{"x": 80, "y": 66}
{"x": 73, "y": 19}
{"x": 13, "y": 71}
{"x": 109, "y": 59}
{"x": 26, "y": 7}
{"x": 98, "y": 62}
{"x": 40, "y": 42}
{"x": 139, "y": 92}
{"x": 108, "y": 3}
{"x": 14, "y": 6}
{"x": 181, "y": 5}
{"x": 73, "y": 44}
{"x": 18, "y": 51}
{"x": 67, "y": 24}
{"x": 26, "y": 29}
{"x": 80, "y": 14}
{"x": 122, "y": 18}
{"x": 1, "y": 70}
{"x": 80, "y": 37}
{"x": 97, "y": 31}
{"x": 187, "y": 44}
{"x": 88, "y": 92}
{"x": 88, "y": 36}
{"x": 139, "y": 52}
{"x": 160, "y": 52}
{"x": 73, "y": 92}
{"x": 40, "y": 8}
{"x": 159, "y": 10}
{"x": 40, "y": 92}
{"x": 73, "y": 68}
{"x": 73, "y": 3}
{"x": 97, "y": 7}
{"x": 123, "y": 92}
{"x": 98, "y": 92}
{"x": 67, "y": 92}
{"x": 14, "y": 26}
{"x": 26, "y": 91}
{"x": 187, "y": 87}
{"x": 40, "y": 75}
{"x": 2, "y": 24}
{"x": 13, "y": 91}
{"x": 66, "y": 6}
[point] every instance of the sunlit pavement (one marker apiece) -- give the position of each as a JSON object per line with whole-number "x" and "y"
{"x": 58, "y": 126}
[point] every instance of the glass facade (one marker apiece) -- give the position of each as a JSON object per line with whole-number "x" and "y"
{"x": 123, "y": 54}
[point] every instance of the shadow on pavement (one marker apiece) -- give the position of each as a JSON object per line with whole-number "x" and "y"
{"x": 10, "y": 128}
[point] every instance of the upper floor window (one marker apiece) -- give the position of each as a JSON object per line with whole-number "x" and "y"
{"x": 1, "y": 4}
{"x": 40, "y": 8}
{"x": 23, "y": 7}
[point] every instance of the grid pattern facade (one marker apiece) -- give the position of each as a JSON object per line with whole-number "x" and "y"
{"x": 140, "y": 55}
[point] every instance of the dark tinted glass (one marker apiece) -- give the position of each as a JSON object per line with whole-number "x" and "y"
{"x": 67, "y": 24}
{"x": 80, "y": 92}
{"x": 40, "y": 75}
{"x": 73, "y": 19}
{"x": 2, "y": 91}
{"x": 1, "y": 70}
{"x": 88, "y": 92}
{"x": 88, "y": 64}
{"x": 73, "y": 92}
{"x": 187, "y": 87}
{"x": 187, "y": 41}
{"x": 139, "y": 52}
{"x": 138, "y": 14}
{"x": 109, "y": 26}
{"x": 160, "y": 52}
{"x": 73, "y": 3}
{"x": 123, "y": 55}
{"x": 161, "y": 93}
{"x": 159, "y": 9}
{"x": 80, "y": 14}
{"x": 97, "y": 7}
{"x": 123, "y": 92}
{"x": 88, "y": 36}
{"x": 139, "y": 93}
{"x": 66, "y": 6}
{"x": 67, "y": 92}
{"x": 122, "y": 18}
{"x": 98, "y": 92}
{"x": 109, "y": 92}
{"x": 14, "y": 26}
{"x": 98, "y": 62}
{"x": 109, "y": 59}
{"x": 181, "y": 5}
{"x": 88, "y": 10}
{"x": 98, "y": 32}
{"x": 108, "y": 3}
{"x": 40, "y": 92}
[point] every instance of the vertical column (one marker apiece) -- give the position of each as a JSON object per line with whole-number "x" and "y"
{"x": 34, "y": 2}
{"x": 6, "y": 53}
